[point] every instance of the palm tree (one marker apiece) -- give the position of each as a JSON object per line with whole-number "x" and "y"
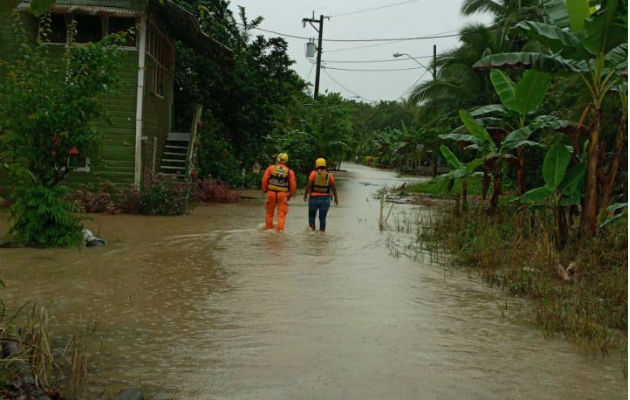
{"x": 457, "y": 85}
{"x": 506, "y": 14}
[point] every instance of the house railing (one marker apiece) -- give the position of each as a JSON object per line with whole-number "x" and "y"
{"x": 191, "y": 155}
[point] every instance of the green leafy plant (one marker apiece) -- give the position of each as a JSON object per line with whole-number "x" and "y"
{"x": 590, "y": 43}
{"x": 562, "y": 187}
{"x": 46, "y": 106}
{"x": 516, "y": 114}
{"x": 460, "y": 172}
{"x": 40, "y": 217}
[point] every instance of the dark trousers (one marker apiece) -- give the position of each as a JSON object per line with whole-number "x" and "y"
{"x": 315, "y": 203}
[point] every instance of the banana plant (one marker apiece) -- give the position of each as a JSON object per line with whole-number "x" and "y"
{"x": 590, "y": 42}
{"x": 563, "y": 188}
{"x": 492, "y": 155}
{"x": 460, "y": 172}
{"x": 516, "y": 113}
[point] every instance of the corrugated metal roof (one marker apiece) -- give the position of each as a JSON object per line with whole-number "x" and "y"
{"x": 182, "y": 23}
{"x": 91, "y": 9}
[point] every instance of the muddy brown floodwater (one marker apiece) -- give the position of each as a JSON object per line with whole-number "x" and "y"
{"x": 205, "y": 306}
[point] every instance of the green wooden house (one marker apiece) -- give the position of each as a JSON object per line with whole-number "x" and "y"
{"x": 138, "y": 140}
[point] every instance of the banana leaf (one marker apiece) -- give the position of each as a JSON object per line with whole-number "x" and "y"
{"x": 489, "y": 109}
{"x": 450, "y": 157}
{"x": 557, "y": 12}
{"x": 520, "y": 143}
{"x": 460, "y": 138}
{"x": 555, "y": 165}
{"x": 505, "y": 88}
{"x": 536, "y": 196}
{"x": 477, "y": 130}
{"x": 574, "y": 180}
{"x": 518, "y": 134}
{"x": 605, "y": 30}
{"x": 618, "y": 57}
{"x": 553, "y": 37}
{"x": 525, "y": 60}
{"x": 549, "y": 122}
{"x": 531, "y": 90}
{"x": 578, "y": 11}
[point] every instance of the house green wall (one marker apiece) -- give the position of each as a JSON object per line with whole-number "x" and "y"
{"x": 156, "y": 118}
{"x": 117, "y": 143}
{"x": 116, "y": 159}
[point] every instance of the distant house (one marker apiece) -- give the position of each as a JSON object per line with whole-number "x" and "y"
{"x": 138, "y": 140}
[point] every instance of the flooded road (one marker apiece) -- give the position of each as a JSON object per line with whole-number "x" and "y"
{"x": 205, "y": 306}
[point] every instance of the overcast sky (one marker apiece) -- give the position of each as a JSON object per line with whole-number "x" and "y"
{"x": 364, "y": 19}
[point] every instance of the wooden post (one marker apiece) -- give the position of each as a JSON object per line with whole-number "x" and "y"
{"x": 192, "y": 150}
{"x": 381, "y": 224}
{"x": 155, "y": 141}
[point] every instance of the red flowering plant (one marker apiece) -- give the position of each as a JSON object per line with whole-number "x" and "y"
{"x": 213, "y": 190}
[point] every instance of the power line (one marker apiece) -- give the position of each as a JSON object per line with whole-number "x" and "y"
{"x": 360, "y": 47}
{"x": 310, "y": 71}
{"x": 439, "y": 36}
{"x": 372, "y": 9}
{"x": 415, "y": 82}
{"x": 373, "y": 70}
{"x": 346, "y": 89}
{"x": 376, "y": 61}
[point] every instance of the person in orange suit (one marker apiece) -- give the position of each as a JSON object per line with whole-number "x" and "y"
{"x": 279, "y": 183}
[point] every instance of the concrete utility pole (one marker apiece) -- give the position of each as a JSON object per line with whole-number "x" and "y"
{"x": 320, "y": 31}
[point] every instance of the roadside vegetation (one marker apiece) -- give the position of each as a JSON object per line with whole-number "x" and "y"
{"x": 534, "y": 110}
{"x": 580, "y": 292}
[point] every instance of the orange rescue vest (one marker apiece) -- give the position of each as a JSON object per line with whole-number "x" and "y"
{"x": 321, "y": 183}
{"x": 279, "y": 179}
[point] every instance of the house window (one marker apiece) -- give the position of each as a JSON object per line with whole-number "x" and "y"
{"x": 79, "y": 163}
{"x": 58, "y": 29}
{"x": 89, "y": 28}
{"x": 162, "y": 51}
{"x": 123, "y": 25}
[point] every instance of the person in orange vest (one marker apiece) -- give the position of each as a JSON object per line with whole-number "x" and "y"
{"x": 279, "y": 183}
{"x": 320, "y": 185}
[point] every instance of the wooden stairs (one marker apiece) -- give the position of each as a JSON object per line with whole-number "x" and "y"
{"x": 175, "y": 155}
{"x": 179, "y": 158}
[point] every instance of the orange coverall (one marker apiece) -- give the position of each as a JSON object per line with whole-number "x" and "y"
{"x": 277, "y": 199}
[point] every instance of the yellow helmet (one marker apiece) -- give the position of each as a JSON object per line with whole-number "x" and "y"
{"x": 320, "y": 162}
{"x": 283, "y": 157}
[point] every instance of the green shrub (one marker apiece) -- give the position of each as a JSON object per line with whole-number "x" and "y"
{"x": 47, "y": 106}
{"x": 165, "y": 196}
{"x": 41, "y": 217}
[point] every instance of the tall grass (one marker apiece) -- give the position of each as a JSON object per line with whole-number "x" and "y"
{"x": 517, "y": 251}
{"x": 26, "y": 350}
{"x": 78, "y": 381}
{"x": 35, "y": 345}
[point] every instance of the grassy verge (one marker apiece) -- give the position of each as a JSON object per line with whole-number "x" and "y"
{"x": 444, "y": 187}
{"x": 517, "y": 252}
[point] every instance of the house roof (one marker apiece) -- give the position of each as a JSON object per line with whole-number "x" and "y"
{"x": 182, "y": 23}
{"x": 104, "y": 8}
